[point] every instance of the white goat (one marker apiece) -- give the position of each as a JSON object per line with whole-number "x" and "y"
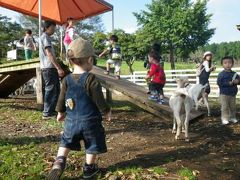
{"x": 180, "y": 102}
{"x": 197, "y": 91}
{"x": 183, "y": 99}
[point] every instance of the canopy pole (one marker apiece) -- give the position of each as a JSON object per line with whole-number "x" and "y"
{"x": 39, "y": 24}
{"x": 112, "y": 20}
{"x": 38, "y": 70}
{"x": 61, "y": 42}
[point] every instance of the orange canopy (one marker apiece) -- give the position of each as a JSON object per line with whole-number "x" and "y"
{"x": 59, "y": 10}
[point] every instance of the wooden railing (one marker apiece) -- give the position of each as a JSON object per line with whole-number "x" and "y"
{"x": 170, "y": 86}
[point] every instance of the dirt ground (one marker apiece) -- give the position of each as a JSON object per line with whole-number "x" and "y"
{"x": 137, "y": 138}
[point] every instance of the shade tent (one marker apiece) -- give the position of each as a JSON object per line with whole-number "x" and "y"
{"x": 58, "y": 10}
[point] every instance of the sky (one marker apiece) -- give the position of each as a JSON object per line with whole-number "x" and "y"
{"x": 226, "y": 15}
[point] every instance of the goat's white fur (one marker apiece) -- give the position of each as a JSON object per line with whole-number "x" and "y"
{"x": 196, "y": 91}
{"x": 183, "y": 99}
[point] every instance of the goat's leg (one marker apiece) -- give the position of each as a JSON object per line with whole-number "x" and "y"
{"x": 179, "y": 124}
{"x": 182, "y": 122}
{"x": 196, "y": 102}
{"x": 174, "y": 125}
{"x": 205, "y": 100}
{"x": 186, "y": 124}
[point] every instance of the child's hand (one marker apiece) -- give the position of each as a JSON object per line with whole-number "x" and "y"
{"x": 236, "y": 81}
{"x": 108, "y": 116}
{"x": 230, "y": 83}
{"x": 61, "y": 116}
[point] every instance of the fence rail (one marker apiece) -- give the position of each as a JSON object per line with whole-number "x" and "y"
{"x": 138, "y": 78}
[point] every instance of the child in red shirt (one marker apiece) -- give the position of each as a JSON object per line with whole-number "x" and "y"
{"x": 157, "y": 76}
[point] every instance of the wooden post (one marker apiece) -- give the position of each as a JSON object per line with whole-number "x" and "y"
{"x": 108, "y": 96}
{"x": 39, "y": 89}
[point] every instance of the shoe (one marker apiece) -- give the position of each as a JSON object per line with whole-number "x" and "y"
{"x": 225, "y": 122}
{"x": 153, "y": 97}
{"x": 233, "y": 120}
{"x": 149, "y": 92}
{"x": 106, "y": 72}
{"x": 90, "y": 170}
{"x": 159, "y": 102}
{"x": 117, "y": 77}
{"x": 49, "y": 117}
{"x": 57, "y": 170}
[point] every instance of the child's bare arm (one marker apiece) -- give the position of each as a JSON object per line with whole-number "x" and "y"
{"x": 104, "y": 52}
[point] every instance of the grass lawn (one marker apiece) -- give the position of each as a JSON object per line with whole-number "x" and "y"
{"x": 138, "y": 66}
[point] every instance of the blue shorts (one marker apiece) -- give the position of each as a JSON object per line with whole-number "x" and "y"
{"x": 90, "y": 131}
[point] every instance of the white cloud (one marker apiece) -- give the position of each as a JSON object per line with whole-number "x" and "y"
{"x": 130, "y": 29}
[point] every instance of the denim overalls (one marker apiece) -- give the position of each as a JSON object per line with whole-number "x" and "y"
{"x": 83, "y": 120}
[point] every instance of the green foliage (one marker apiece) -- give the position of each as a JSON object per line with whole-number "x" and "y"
{"x": 99, "y": 39}
{"x": 187, "y": 173}
{"x": 223, "y": 49}
{"x": 21, "y": 161}
{"x": 159, "y": 170}
{"x": 9, "y": 33}
{"x": 180, "y": 25}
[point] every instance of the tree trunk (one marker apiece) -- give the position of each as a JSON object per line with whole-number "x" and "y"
{"x": 172, "y": 58}
{"x": 130, "y": 64}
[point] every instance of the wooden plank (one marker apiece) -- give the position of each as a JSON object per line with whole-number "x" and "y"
{"x": 137, "y": 95}
{"x": 18, "y": 66}
{"x": 39, "y": 89}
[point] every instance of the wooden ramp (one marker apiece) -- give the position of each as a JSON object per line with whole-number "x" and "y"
{"x": 138, "y": 95}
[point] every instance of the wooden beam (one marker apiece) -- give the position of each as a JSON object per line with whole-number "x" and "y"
{"x": 19, "y": 66}
{"x": 39, "y": 89}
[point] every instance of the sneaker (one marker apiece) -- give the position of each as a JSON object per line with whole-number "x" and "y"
{"x": 225, "y": 122}
{"x": 90, "y": 170}
{"x": 106, "y": 72}
{"x": 233, "y": 120}
{"x": 48, "y": 117}
{"x": 153, "y": 97}
{"x": 159, "y": 102}
{"x": 117, "y": 77}
{"x": 57, "y": 170}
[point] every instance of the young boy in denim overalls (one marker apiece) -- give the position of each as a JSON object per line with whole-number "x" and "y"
{"x": 80, "y": 102}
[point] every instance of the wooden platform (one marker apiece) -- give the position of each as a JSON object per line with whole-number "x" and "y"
{"x": 14, "y": 75}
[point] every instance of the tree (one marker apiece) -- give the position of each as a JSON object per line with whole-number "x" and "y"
{"x": 180, "y": 25}
{"x": 87, "y": 28}
{"x": 99, "y": 40}
{"x": 10, "y": 32}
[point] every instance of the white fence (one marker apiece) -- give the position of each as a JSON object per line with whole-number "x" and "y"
{"x": 170, "y": 86}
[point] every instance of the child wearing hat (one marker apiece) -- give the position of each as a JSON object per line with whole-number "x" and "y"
{"x": 206, "y": 68}
{"x": 80, "y": 103}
